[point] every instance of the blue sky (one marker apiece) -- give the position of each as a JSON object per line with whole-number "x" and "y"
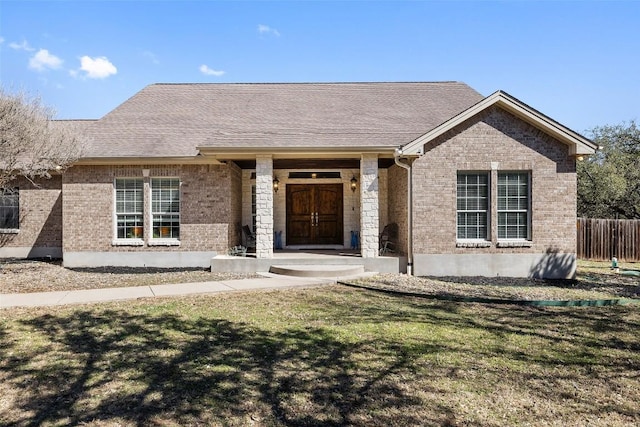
{"x": 576, "y": 61}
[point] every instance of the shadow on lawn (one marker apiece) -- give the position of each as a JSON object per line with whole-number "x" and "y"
{"x": 197, "y": 372}
{"x": 140, "y": 368}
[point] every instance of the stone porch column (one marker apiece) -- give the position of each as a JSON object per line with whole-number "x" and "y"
{"x": 264, "y": 206}
{"x": 369, "y": 207}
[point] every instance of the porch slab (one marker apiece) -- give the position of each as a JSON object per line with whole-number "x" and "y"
{"x": 250, "y": 264}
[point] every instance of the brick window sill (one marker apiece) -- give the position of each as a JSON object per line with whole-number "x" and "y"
{"x": 478, "y": 244}
{"x": 127, "y": 242}
{"x": 164, "y": 242}
{"x": 9, "y": 231}
{"x": 515, "y": 244}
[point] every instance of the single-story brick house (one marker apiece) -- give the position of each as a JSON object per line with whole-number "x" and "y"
{"x": 477, "y": 185}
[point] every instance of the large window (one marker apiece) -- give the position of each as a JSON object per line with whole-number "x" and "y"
{"x": 165, "y": 207}
{"x": 129, "y": 208}
{"x": 472, "y": 205}
{"x": 9, "y": 209}
{"x": 513, "y": 206}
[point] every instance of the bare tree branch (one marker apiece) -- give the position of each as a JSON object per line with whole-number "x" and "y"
{"x": 32, "y": 144}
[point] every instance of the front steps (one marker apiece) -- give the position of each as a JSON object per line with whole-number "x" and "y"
{"x": 316, "y": 270}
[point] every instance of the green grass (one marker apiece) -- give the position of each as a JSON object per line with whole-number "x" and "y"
{"x": 322, "y": 356}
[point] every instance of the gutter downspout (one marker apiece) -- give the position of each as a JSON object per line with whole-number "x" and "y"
{"x": 396, "y": 157}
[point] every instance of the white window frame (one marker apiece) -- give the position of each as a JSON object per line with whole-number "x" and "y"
{"x": 16, "y": 205}
{"x": 486, "y": 211}
{"x": 510, "y": 209}
{"x": 155, "y": 235}
{"x": 131, "y": 240}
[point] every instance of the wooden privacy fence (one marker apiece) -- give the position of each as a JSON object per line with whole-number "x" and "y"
{"x": 602, "y": 239}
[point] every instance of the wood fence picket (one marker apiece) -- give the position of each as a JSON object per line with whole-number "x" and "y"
{"x": 602, "y": 239}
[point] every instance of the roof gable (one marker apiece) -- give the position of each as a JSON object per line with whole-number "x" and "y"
{"x": 578, "y": 144}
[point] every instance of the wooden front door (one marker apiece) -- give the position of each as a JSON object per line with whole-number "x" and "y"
{"x": 314, "y": 214}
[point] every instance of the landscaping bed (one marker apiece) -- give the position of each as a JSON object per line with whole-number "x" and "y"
{"x": 24, "y": 276}
{"x": 594, "y": 282}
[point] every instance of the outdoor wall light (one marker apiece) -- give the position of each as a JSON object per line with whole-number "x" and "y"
{"x": 354, "y": 184}
{"x": 276, "y": 184}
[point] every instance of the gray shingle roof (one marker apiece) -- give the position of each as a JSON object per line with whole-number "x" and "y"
{"x": 78, "y": 126}
{"x": 166, "y": 120}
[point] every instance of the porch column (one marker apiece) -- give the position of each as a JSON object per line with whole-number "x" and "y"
{"x": 264, "y": 206}
{"x": 369, "y": 206}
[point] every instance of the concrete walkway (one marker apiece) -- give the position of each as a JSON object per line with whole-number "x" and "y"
{"x": 269, "y": 281}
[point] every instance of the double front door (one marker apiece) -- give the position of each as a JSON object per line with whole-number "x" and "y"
{"x": 314, "y": 214}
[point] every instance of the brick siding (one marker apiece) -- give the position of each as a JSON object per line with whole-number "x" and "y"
{"x": 40, "y": 215}
{"x": 398, "y": 205}
{"x": 495, "y": 140}
{"x": 235, "y": 194}
{"x": 208, "y": 212}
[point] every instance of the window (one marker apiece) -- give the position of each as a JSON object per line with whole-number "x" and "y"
{"x": 472, "y": 205}
{"x": 513, "y": 206}
{"x": 9, "y": 209}
{"x": 165, "y": 208}
{"x": 129, "y": 211}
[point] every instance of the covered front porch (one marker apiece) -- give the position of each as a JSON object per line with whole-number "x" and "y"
{"x": 318, "y": 208}
{"x": 315, "y": 207}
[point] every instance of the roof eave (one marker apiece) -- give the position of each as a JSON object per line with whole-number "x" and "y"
{"x": 218, "y": 155}
{"x": 578, "y": 144}
{"x": 139, "y": 160}
{"x": 232, "y": 153}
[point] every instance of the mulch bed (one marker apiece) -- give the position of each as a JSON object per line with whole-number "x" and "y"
{"x": 24, "y": 276}
{"x": 587, "y": 286}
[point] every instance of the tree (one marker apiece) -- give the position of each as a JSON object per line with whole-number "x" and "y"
{"x": 32, "y": 145}
{"x": 609, "y": 181}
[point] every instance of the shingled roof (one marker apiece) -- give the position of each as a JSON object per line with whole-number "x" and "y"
{"x": 173, "y": 120}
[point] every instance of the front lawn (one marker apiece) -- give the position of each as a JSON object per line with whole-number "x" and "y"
{"x": 320, "y": 356}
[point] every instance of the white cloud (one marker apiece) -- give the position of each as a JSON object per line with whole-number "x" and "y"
{"x": 1, "y": 40}
{"x": 21, "y": 46}
{"x": 96, "y": 68}
{"x": 265, "y": 29}
{"x": 43, "y": 60}
{"x": 204, "y": 69}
